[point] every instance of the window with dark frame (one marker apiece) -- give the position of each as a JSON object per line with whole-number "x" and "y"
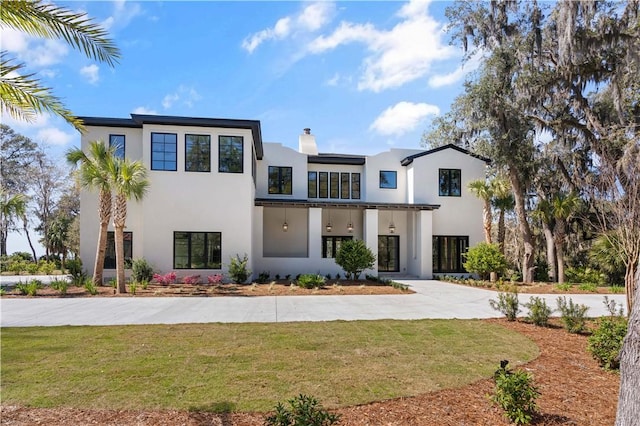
{"x": 117, "y": 142}
{"x": 313, "y": 185}
{"x": 448, "y": 253}
{"x": 449, "y": 182}
{"x": 344, "y": 186}
{"x": 334, "y": 180}
{"x": 355, "y": 186}
{"x": 197, "y": 153}
{"x": 323, "y": 185}
{"x": 331, "y": 244}
{"x": 164, "y": 155}
{"x": 280, "y": 180}
{"x": 197, "y": 250}
{"x": 388, "y": 179}
{"x": 338, "y": 185}
{"x": 230, "y": 154}
{"x": 110, "y": 250}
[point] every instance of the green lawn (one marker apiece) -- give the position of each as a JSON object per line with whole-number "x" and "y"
{"x": 248, "y": 367}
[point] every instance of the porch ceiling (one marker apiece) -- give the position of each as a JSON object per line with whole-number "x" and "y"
{"x": 289, "y": 203}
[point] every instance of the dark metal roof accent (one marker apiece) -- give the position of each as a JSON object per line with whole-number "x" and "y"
{"x": 138, "y": 120}
{"x": 292, "y": 203}
{"x": 324, "y": 158}
{"x": 408, "y": 160}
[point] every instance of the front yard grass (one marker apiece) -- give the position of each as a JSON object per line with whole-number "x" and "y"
{"x": 248, "y": 367}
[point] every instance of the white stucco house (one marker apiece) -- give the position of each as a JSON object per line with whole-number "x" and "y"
{"x": 217, "y": 190}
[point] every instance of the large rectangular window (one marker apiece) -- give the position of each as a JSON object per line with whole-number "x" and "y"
{"x": 280, "y": 180}
{"x": 355, "y": 186}
{"x": 197, "y": 153}
{"x": 110, "y": 252}
{"x": 230, "y": 154}
{"x": 344, "y": 185}
{"x": 334, "y": 179}
{"x": 388, "y": 253}
{"x": 323, "y": 185}
{"x": 331, "y": 245}
{"x": 449, "y": 182}
{"x": 164, "y": 155}
{"x": 197, "y": 250}
{"x": 118, "y": 143}
{"x": 388, "y": 179}
{"x": 313, "y": 185}
{"x": 447, "y": 253}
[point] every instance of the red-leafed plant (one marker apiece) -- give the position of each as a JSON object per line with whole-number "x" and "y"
{"x": 191, "y": 279}
{"x": 215, "y": 279}
{"x": 168, "y": 278}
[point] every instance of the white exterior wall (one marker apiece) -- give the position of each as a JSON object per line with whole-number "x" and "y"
{"x": 390, "y": 161}
{"x": 277, "y": 155}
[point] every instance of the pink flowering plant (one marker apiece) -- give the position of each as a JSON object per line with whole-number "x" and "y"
{"x": 215, "y": 279}
{"x": 168, "y": 278}
{"x": 191, "y": 279}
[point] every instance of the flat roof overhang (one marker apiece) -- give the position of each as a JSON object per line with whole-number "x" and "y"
{"x": 279, "y": 202}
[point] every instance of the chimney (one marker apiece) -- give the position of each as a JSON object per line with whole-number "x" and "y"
{"x": 307, "y": 143}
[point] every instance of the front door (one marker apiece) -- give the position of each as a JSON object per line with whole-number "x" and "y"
{"x": 388, "y": 253}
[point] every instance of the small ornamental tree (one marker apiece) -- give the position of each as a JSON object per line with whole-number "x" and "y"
{"x": 484, "y": 259}
{"x": 354, "y": 257}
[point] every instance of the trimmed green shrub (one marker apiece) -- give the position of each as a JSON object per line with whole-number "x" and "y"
{"x": 141, "y": 270}
{"x": 303, "y": 410}
{"x": 60, "y": 285}
{"x": 539, "y": 311}
{"x": 585, "y": 275}
{"x": 311, "y": 281}
{"x": 573, "y": 315}
{"x": 263, "y": 277}
{"x": 46, "y": 267}
{"x": 30, "y": 288}
{"x": 508, "y": 304}
{"x": 238, "y": 271}
{"x": 592, "y": 287}
{"x": 90, "y": 287}
{"x": 516, "y": 394}
{"x": 74, "y": 266}
{"x": 354, "y": 257}
{"x": 606, "y": 341}
{"x": 564, "y": 286}
{"x": 483, "y": 259}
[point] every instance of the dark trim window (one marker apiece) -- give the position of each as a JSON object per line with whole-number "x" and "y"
{"x": 331, "y": 245}
{"x": 449, "y": 182}
{"x": 389, "y": 253}
{"x": 164, "y": 155}
{"x": 313, "y": 185}
{"x": 344, "y": 185}
{"x": 323, "y": 185}
{"x": 448, "y": 253}
{"x": 110, "y": 251}
{"x": 334, "y": 180}
{"x": 230, "y": 154}
{"x": 197, "y": 250}
{"x": 280, "y": 180}
{"x": 117, "y": 141}
{"x": 197, "y": 153}
{"x": 355, "y": 186}
{"x": 388, "y": 179}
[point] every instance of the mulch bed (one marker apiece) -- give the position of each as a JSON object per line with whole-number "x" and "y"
{"x": 532, "y": 288}
{"x": 574, "y": 391}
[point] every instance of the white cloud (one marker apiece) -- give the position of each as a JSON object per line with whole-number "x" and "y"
{"x": 402, "y": 118}
{"x": 123, "y": 14}
{"x": 186, "y": 95}
{"x": 91, "y": 73}
{"x": 13, "y": 40}
{"x": 313, "y": 17}
{"x": 459, "y": 73}
{"x": 54, "y": 136}
{"x": 333, "y": 81}
{"x": 34, "y": 51}
{"x": 169, "y": 100}
{"x": 144, "y": 110}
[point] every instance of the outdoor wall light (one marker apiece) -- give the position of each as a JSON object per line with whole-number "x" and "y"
{"x": 392, "y": 227}
{"x": 329, "y": 227}
{"x": 350, "y": 224}
{"x": 285, "y": 225}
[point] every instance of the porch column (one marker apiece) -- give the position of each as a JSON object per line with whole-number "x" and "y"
{"x": 370, "y": 234}
{"x": 424, "y": 234}
{"x": 257, "y": 251}
{"x": 315, "y": 233}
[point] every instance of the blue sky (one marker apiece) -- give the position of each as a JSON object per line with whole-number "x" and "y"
{"x": 364, "y": 76}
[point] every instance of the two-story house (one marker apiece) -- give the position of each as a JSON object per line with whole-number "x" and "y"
{"x": 217, "y": 191}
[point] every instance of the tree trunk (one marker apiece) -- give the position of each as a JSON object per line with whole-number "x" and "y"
{"x": 119, "y": 219}
{"x": 559, "y": 242}
{"x": 523, "y": 225}
{"x": 104, "y": 212}
{"x": 631, "y": 283}
{"x": 487, "y": 220}
{"x": 629, "y": 395}
{"x": 3, "y": 240}
{"x": 551, "y": 252}
{"x": 501, "y": 230}
{"x": 25, "y": 226}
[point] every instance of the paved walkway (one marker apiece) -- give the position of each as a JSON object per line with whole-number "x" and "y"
{"x": 433, "y": 299}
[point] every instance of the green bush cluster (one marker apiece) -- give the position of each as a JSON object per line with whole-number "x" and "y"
{"x": 605, "y": 342}
{"x": 29, "y": 288}
{"x": 60, "y": 285}
{"x": 90, "y": 287}
{"x": 539, "y": 311}
{"x": 141, "y": 271}
{"x": 585, "y": 275}
{"x": 22, "y": 263}
{"x": 508, "y": 304}
{"x": 354, "y": 257}
{"x": 483, "y": 259}
{"x": 238, "y": 271}
{"x": 303, "y": 410}
{"x": 516, "y": 394}
{"x": 311, "y": 281}
{"x": 573, "y": 315}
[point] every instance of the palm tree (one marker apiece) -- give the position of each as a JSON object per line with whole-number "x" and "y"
{"x": 11, "y": 207}
{"x": 563, "y": 207}
{"x": 129, "y": 180}
{"x": 503, "y": 201}
{"x": 544, "y": 213}
{"x": 21, "y": 94}
{"x": 94, "y": 173}
{"x": 484, "y": 190}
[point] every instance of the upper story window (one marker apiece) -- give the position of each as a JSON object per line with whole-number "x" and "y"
{"x": 117, "y": 142}
{"x": 164, "y": 155}
{"x": 323, "y": 185}
{"x": 449, "y": 182}
{"x": 334, "y": 180}
{"x": 197, "y": 153}
{"x": 388, "y": 179}
{"x": 280, "y": 180}
{"x": 313, "y": 185}
{"x": 355, "y": 186}
{"x": 230, "y": 154}
{"x": 343, "y": 185}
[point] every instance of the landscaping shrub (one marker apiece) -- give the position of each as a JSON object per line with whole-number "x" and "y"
{"x": 32, "y": 268}
{"x": 264, "y": 277}
{"x": 573, "y": 316}
{"x": 74, "y": 266}
{"x": 354, "y": 257}
{"x": 516, "y": 394}
{"x": 191, "y": 279}
{"x": 539, "y": 311}
{"x": 90, "y": 287}
{"x": 133, "y": 288}
{"x": 141, "y": 270}
{"x": 17, "y": 266}
{"x": 585, "y": 275}
{"x": 588, "y": 287}
{"x": 46, "y": 267}
{"x": 564, "y": 286}
{"x": 60, "y": 285}
{"x": 616, "y": 289}
{"x": 483, "y": 259}
{"x": 30, "y": 288}
{"x": 238, "y": 271}
{"x": 168, "y": 278}
{"x": 311, "y": 281}
{"x": 508, "y": 304}
{"x": 303, "y": 410}
{"x": 215, "y": 279}
{"x": 606, "y": 341}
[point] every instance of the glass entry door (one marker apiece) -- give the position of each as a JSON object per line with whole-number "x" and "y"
{"x": 388, "y": 253}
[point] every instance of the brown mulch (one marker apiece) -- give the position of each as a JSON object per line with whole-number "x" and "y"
{"x": 532, "y": 288}
{"x": 574, "y": 391}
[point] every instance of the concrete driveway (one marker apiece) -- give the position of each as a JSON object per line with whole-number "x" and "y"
{"x": 433, "y": 299}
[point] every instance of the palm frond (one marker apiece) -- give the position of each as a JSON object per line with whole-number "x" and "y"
{"x": 50, "y": 21}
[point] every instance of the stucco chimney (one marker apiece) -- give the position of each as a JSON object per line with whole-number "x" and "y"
{"x": 307, "y": 143}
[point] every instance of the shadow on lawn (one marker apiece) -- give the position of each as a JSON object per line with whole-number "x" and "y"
{"x": 205, "y": 414}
